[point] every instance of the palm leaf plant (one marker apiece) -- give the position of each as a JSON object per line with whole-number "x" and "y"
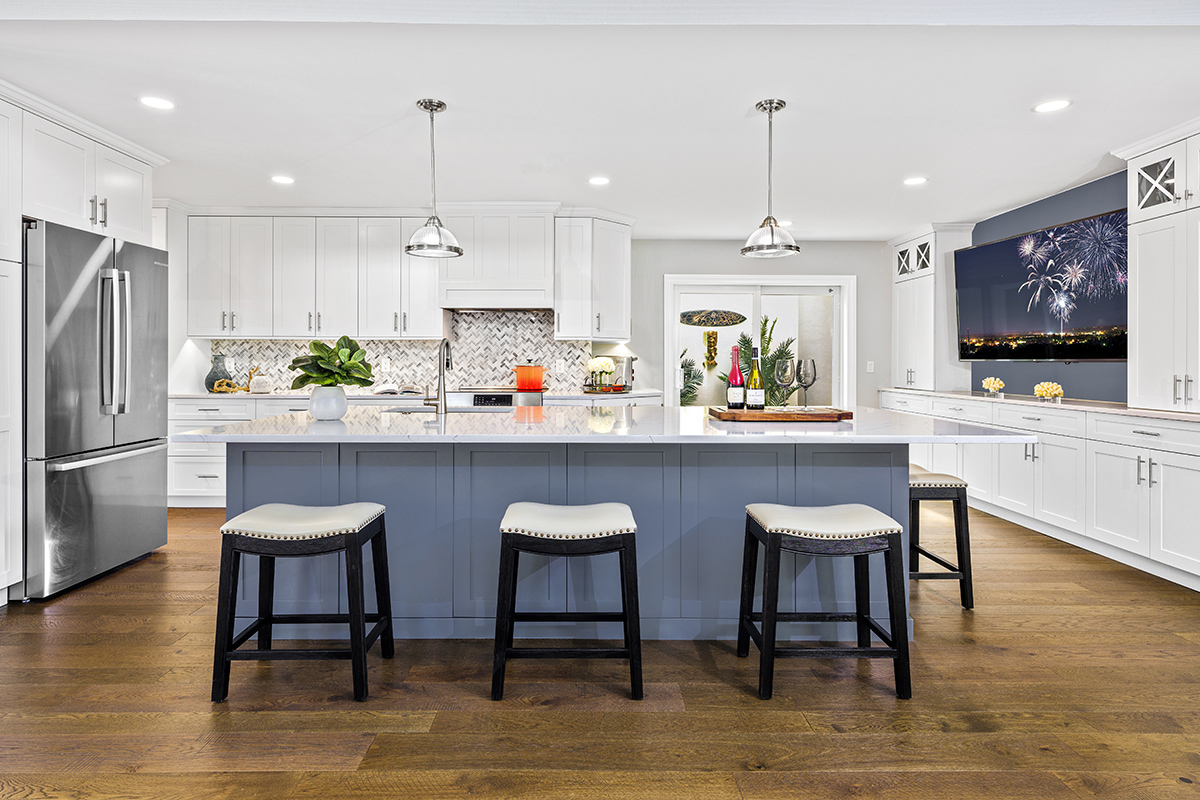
{"x": 344, "y": 364}
{"x": 776, "y": 395}
{"x": 692, "y": 378}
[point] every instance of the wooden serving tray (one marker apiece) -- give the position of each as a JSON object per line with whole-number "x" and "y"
{"x": 780, "y": 414}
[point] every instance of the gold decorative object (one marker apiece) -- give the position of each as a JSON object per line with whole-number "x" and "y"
{"x": 710, "y": 348}
{"x": 226, "y": 386}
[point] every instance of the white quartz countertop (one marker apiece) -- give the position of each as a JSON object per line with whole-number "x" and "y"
{"x": 619, "y": 425}
{"x": 1095, "y": 406}
{"x": 360, "y": 396}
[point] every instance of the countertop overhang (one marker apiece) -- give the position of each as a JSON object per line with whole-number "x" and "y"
{"x": 618, "y": 425}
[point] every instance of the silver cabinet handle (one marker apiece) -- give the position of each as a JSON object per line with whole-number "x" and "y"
{"x": 1139, "y": 470}
{"x": 310, "y": 320}
{"x": 1033, "y": 419}
{"x": 208, "y": 476}
{"x": 1175, "y": 390}
{"x": 297, "y": 409}
{"x": 954, "y": 408}
{"x": 1149, "y": 433}
{"x": 1150, "y": 471}
{"x": 208, "y": 409}
{"x": 558, "y": 320}
{"x": 223, "y": 313}
{"x": 404, "y": 321}
{"x": 901, "y": 402}
{"x": 318, "y": 320}
{"x": 92, "y": 203}
{"x": 232, "y": 321}
{"x": 1187, "y": 388}
{"x": 1033, "y": 451}
{"x": 396, "y": 321}
{"x": 597, "y": 322}
{"x": 1026, "y": 452}
{"x": 104, "y": 210}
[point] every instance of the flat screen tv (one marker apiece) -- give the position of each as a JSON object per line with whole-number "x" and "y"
{"x": 1058, "y": 294}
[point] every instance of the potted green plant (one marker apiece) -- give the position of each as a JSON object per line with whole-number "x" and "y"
{"x": 328, "y": 369}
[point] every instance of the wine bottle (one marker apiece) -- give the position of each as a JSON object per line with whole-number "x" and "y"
{"x": 756, "y": 397}
{"x": 735, "y": 392}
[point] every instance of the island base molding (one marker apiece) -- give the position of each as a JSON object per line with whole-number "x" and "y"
{"x": 445, "y": 501}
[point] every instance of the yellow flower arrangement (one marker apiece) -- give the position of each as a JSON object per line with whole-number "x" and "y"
{"x": 993, "y": 385}
{"x": 1048, "y": 389}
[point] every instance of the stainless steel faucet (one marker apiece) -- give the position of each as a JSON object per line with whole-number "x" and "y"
{"x": 444, "y": 361}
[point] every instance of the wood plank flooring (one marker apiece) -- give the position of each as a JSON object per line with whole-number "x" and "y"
{"x": 1075, "y": 677}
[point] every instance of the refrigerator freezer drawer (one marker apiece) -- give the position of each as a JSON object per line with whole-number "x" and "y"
{"x": 90, "y": 513}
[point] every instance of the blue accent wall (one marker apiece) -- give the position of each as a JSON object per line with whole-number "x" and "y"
{"x": 1083, "y": 381}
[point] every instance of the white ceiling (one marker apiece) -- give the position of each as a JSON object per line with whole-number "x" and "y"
{"x": 664, "y": 109}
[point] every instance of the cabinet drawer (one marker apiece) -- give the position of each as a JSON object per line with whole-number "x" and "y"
{"x": 912, "y": 403}
{"x": 286, "y": 405}
{"x": 1157, "y": 434}
{"x": 220, "y": 409}
{"x": 1042, "y": 419}
{"x": 195, "y": 476}
{"x": 192, "y": 448}
{"x": 961, "y": 410}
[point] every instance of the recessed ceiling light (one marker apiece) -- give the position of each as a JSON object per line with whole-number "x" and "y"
{"x": 157, "y": 102}
{"x": 284, "y": 179}
{"x": 1051, "y": 105}
{"x": 916, "y": 180}
{"x": 599, "y": 180}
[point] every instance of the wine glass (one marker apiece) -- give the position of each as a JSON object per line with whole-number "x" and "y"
{"x": 807, "y": 375}
{"x": 785, "y": 376}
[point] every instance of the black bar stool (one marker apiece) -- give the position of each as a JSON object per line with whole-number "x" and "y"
{"x": 567, "y": 531}
{"x": 926, "y": 485}
{"x": 278, "y": 530}
{"x": 843, "y": 530}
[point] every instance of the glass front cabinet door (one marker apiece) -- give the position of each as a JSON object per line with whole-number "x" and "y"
{"x": 1156, "y": 182}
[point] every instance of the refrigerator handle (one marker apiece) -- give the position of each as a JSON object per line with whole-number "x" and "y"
{"x": 70, "y": 466}
{"x": 123, "y": 406}
{"x": 108, "y": 341}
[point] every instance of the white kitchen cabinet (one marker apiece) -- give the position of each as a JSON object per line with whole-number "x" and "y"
{"x": 507, "y": 261}
{"x": 1155, "y": 182}
{"x": 72, "y": 180}
{"x": 1013, "y": 474}
{"x": 294, "y": 277}
{"x": 1060, "y": 467}
{"x": 12, "y": 439}
{"x": 379, "y": 252}
{"x": 1118, "y": 501}
{"x": 913, "y": 259}
{"x": 592, "y": 288}
{"x": 611, "y": 281}
{"x": 913, "y": 333}
{"x": 230, "y": 277}
{"x": 978, "y": 464}
{"x": 1173, "y": 481}
{"x": 336, "y": 277}
{"x": 421, "y": 315}
{"x": 11, "y": 238}
{"x": 1159, "y": 309}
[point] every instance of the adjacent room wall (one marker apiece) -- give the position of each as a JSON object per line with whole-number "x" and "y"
{"x": 1085, "y": 381}
{"x": 870, "y": 261}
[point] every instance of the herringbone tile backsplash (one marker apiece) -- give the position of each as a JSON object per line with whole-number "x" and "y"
{"x": 486, "y": 346}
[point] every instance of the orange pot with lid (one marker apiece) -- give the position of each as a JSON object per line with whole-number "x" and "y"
{"x": 530, "y": 377}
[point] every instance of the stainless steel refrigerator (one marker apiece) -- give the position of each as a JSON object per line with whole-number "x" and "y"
{"x": 95, "y": 405}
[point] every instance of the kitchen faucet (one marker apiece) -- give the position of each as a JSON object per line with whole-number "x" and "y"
{"x": 444, "y": 361}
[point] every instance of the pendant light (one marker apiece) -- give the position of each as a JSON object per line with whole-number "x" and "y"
{"x": 432, "y": 240}
{"x": 770, "y": 240}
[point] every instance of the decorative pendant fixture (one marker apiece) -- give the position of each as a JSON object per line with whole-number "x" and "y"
{"x": 770, "y": 240}
{"x": 432, "y": 240}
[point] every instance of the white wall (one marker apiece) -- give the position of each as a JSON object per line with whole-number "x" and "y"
{"x": 870, "y": 261}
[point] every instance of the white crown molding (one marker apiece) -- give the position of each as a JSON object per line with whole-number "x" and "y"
{"x": 1169, "y": 136}
{"x": 172, "y": 205}
{"x": 514, "y": 207}
{"x": 60, "y": 116}
{"x": 598, "y": 213}
{"x": 932, "y": 227}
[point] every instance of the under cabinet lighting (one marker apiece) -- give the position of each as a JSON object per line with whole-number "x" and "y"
{"x": 157, "y": 102}
{"x": 1051, "y": 105}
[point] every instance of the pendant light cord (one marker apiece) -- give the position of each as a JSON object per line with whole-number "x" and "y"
{"x": 770, "y": 155}
{"x": 433, "y": 166}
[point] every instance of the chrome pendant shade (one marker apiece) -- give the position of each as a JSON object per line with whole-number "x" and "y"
{"x": 432, "y": 240}
{"x": 770, "y": 240}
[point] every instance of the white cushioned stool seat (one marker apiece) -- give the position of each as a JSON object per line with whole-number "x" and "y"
{"x": 849, "y": 521}
{"x": 568, "y": 522}
{"x": 284, "y": 521}
{"x": 929, "y": 480}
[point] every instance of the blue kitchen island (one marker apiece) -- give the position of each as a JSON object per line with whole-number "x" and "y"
{"x": 446, "y": 481}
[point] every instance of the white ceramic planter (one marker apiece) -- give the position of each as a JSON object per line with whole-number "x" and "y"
{"x": 327, "y": 402}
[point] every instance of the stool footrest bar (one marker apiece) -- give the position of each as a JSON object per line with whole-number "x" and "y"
{"x": 566, "y": 652}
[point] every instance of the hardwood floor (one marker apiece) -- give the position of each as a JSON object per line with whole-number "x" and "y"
{"x": 1074, "y": 677}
